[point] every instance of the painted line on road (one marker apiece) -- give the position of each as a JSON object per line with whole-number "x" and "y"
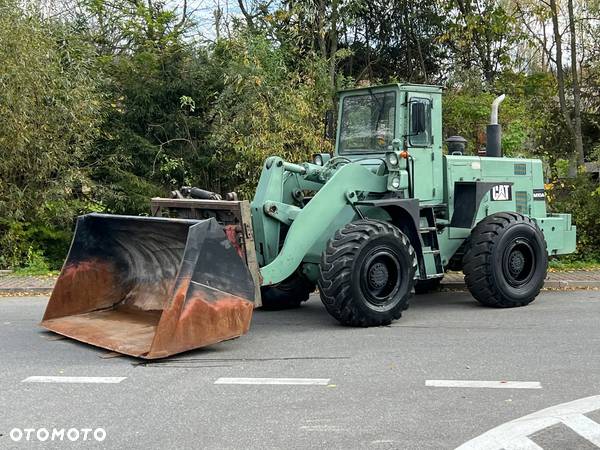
{"x": 521, "y": 443}
{"x": 484, "y": 384}
{"x": 48, "y": 379}
{"x": 585, "y": 427}
{"x": 510, "y": 434}
{"x": 280, "y": 381}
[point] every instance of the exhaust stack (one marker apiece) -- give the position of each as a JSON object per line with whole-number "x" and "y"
{"x": 494, "y": 131}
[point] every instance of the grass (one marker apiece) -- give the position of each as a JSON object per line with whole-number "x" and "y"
{"x": 34, "y": 272}
{"x": 566, "y": 264}
{"x": 36, "y": 265}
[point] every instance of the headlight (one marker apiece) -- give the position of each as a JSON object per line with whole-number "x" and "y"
{"x": 395, "y": 183}
{"x": 318, "y": 159}
{"x": 392, "y": 159}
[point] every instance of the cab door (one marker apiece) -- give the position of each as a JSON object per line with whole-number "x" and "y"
{"x": 419, "y": 143}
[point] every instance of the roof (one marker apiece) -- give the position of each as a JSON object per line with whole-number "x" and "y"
{"x": 404, "y": 86}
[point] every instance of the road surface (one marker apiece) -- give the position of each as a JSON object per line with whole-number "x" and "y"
{"x": 438, "y": 378}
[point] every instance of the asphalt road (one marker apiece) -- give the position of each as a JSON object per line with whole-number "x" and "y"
{"x": 376, "y": 396}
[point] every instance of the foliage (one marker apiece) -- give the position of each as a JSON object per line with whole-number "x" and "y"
{"x": 50, "y": 110}
{"x": 481, "y": 35}
{"x": 581, "y": 198}
{"x": 263, "y": 109}
{"x": 570, "y": 262}
{"x": 467, "y": 110}
{"x": 120, "y": 101}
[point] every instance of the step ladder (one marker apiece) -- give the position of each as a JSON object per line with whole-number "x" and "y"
{"x": 430, "y": 239}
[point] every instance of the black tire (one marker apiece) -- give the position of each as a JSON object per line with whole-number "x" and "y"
{"x": 426, "y": 286}
{"x": 506, "y": 262}
{"x": 288, "y": 294}
{"x": 367, "y": 273}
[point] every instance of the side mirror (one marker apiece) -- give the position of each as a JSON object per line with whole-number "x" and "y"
{"x": 329, "y": 124}
{"x": 417, "y": 118}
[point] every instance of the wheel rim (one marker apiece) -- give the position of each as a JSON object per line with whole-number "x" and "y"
{"x": 380, "y": 276}
{"x": 518, "y": 262}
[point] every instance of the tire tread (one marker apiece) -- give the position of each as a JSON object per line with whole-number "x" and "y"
{"x": 336, "y": 272}
{"x": 477, "y": 261}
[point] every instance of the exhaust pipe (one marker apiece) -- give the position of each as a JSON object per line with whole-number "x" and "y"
{"x": 493, "y": 145}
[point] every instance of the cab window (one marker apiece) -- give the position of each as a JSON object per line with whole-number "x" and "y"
{"x": 367, "y": 122}
{"x": 422, "y": 138}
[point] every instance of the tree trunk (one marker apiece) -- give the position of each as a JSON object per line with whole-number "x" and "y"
{"x": 246, "y": 14}
{"x": 576, "y": 90}
{"x": 321, "y": 28}
{"x": 333, "y": 42}
{"x": 560, "y": 79}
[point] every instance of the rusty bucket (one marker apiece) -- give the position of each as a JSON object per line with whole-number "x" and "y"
{"x": 151, "y": 287}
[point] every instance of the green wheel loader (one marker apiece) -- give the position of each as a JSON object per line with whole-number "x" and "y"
{"x": 387, "y": 213}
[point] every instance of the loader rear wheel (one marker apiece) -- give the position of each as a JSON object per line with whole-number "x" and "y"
{"x": 288, "y": 294}
{"x": 506, "y": 261}
{"x": 367, "y": 273}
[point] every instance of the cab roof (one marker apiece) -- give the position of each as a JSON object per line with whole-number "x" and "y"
{"x": 401, "y": 86}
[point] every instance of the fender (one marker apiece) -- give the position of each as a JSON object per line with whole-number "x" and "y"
{"x": 405, "y": 214}
{"x": 314, "y": 219}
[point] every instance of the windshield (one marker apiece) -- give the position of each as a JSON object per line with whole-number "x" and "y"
{"x": 368, "y": 123}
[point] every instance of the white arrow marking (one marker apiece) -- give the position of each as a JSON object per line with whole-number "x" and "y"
{"x": 522, "y": 443}
{"x": 585, "y": 427}
{"x": 569, "y": 414}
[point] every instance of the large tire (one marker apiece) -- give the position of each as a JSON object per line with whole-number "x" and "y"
{"x": 506, "y": 261}
{"x": 288, "y": 294}
{"x": 367, "y": 273}
{"x": 426, "y": 286}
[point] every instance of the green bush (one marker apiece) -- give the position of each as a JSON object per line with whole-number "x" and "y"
{"x": 581, "y": 198}
{"x": 50, "y": 111}
{"x": 103, "y": 112}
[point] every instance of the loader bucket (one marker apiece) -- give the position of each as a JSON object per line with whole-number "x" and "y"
{"x": 151, "y": 287}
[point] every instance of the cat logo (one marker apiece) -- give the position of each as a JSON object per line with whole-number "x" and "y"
{"x": 501, "y": 192}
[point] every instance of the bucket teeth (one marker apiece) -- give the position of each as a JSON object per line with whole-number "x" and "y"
{"x": 151, "y": 287}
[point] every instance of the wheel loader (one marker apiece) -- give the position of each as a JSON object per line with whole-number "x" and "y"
{"x": 385, "y": 214}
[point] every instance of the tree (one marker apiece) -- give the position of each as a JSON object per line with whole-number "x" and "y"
{"x": 481, "y": 35}
{"x": 567, "y": 79}
{"x": 50, "y": 105}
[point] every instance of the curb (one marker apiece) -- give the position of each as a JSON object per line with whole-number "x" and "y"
{"x": 37, "y": 290}
{"x": 566, "y": 284}
{"x": 548, "y": 284}
{"x": 451, "y": 284}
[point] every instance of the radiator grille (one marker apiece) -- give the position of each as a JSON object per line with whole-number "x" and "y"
{"x": 520, "y": 169}
{"x": 521, "y": 202}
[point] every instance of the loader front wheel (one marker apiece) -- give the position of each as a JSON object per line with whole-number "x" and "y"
{"x": 288, "y": 294}
{"x": 367, "y": 273}
{"x": 506, "y": 261}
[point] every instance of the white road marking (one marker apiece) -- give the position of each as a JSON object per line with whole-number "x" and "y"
{"x": 521, "y": 443}
{"x": 570, "y": 414}
{"x": 484, "y": 384}
{"x": 322, "y": 428}
{"x": 47, "y": 379}
{"x": 584, "y": 427}
{"x": 299, "y": 381}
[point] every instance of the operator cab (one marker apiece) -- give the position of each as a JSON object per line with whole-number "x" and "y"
{"x": 404, "y": 119}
